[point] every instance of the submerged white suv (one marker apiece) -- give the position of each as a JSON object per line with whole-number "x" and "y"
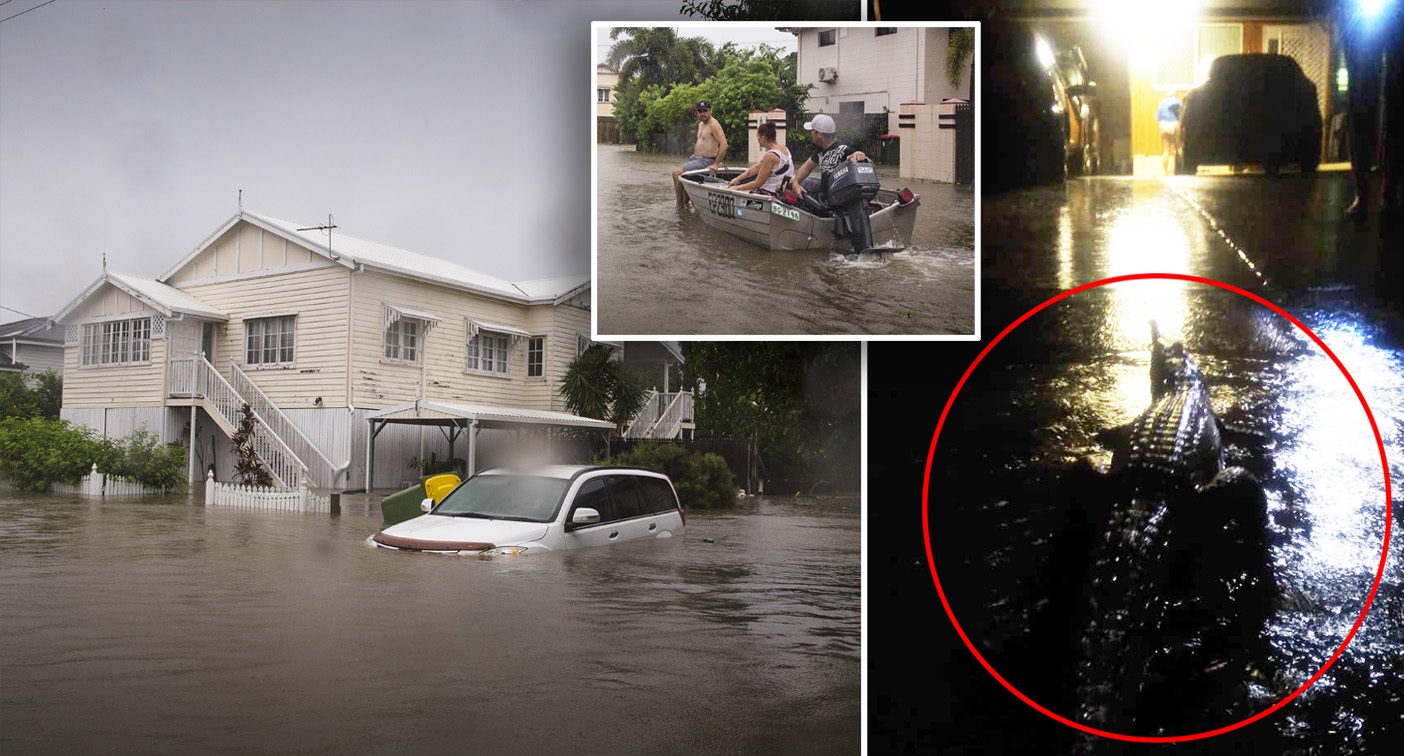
{"x": 502, "y": 511}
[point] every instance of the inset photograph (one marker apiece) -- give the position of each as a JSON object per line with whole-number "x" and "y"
{"x": 803, "y": 180}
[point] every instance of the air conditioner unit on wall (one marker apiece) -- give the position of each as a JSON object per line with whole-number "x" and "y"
{"x": 828, "y": 74}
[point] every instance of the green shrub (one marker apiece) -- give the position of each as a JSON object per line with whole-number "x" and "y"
{"x": 35, "y": 452}
{"x": 703, "y": 481}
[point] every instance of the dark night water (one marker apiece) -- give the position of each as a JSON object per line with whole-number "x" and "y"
{"x": 157, "y": 626}
{"x": 1034, "y": 417}
{"x": 662, "y": 272}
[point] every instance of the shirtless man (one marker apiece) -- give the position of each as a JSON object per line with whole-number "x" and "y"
{"x": 710, "y": 141}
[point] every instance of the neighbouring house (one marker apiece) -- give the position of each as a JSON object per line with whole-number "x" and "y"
{"x": 357, "y": 357}
{"x": 31, "y": 346}
{"x": 606, "y": 84}
{"x": 855, "y": 71}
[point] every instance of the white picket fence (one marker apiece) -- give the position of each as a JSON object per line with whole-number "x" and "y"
{"x": 300, "y": 499}
{"x": 98, "y": 484}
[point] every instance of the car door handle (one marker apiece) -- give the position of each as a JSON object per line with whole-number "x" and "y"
{"x": 613, "y": 535}
{"x": 652, "y": 526}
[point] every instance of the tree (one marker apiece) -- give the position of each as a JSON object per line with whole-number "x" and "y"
{"x": 655, "y": 55}
{"x": 960, "y": 50}
{"x": 248, "y": 469}
{"x": 801, "y": 400}
{"x": 594, "y": 386}
{"x": 772, "y": 10}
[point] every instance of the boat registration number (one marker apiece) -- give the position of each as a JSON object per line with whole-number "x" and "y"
{"x": 721, "y": 204}
{"x": 784, "y": 212}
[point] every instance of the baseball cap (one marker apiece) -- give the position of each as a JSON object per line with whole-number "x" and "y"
{"x": 822, "y": 123}
{"x": 704, "y": 105}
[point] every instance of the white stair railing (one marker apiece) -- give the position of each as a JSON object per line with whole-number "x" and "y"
{"x": 196, "y": 377}
{"x": 669, "y": 422}
{"x": 320, "y": 469}
{"x": 648, "y": 414}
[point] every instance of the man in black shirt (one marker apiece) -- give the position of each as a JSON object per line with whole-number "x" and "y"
{"x": 829, "y": 153}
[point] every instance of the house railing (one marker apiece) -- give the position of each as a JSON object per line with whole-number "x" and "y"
{"x": 669, "y": 422}
{"x": 319, "y": 468}
{"x": 648, "y": 414}
{"x": 662, "y": 415}
{"x": 196, "y": 377}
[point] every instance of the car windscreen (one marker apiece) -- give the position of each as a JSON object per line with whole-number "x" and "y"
{"x": 505, "y": 497}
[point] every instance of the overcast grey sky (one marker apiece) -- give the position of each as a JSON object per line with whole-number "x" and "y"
{"x": 460, "y": 130}
{"x": 744, "y": 34}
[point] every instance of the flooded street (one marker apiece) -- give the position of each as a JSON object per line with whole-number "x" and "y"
{"x": 1020, "y": 491}
{"x": 661, "y": 272}
{"x": 158, "y": 626}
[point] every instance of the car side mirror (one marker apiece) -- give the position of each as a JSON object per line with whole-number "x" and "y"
{"x": 426, "y": 505}
{"x": 585, "y": 516}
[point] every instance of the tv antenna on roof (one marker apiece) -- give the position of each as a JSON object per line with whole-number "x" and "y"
{"x": 331, "y": 224}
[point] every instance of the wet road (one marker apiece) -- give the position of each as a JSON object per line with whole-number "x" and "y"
{"x": 661, "y": 272}
{"x": 159, "y": 627}
{"x": 1026, "y": 446}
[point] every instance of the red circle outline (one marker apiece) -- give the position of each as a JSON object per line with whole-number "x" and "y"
{"x": 931, "y": 562}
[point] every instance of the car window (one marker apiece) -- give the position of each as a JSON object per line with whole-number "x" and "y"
{"x": 594, "y": 493}
{"x": 658, "y": 495}
{"x": 517, "y": 497}
{"x": 628, "y": 500}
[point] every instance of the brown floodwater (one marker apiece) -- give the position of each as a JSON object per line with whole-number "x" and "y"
{"x": 159, "y": 626}
{"x": 663, "y": 272}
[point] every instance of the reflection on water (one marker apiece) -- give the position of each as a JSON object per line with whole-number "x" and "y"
{"x": 176, "y": 629}
{"x": 664, "y": 272}
{"x": 1044, "y": 401}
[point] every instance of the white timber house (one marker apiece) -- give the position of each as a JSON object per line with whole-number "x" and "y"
{"x": 355, "y": 357}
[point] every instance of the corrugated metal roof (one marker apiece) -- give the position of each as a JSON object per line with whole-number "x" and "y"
{"x": 429, "y": 411}
{"x": 166, "y": 298}
{"x": 421, "y": 266}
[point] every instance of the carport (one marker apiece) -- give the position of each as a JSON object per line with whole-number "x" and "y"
{"x": 455, "y": 419}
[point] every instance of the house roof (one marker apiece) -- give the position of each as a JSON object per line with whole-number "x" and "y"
{"x": 165, "y": 299}
{"x": 350, "y": 251}
{"x": 32, "y": 331}
{"x": 445, "y": 413}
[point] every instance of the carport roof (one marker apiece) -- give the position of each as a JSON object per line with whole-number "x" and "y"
{"x": 451, "y": 413}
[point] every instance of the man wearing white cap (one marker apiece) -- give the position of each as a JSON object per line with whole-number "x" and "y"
{"x": 829, "y": 153}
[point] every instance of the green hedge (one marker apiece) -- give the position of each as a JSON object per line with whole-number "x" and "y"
{"x": 703, "y": 481}
{"x": 35, "y": 452}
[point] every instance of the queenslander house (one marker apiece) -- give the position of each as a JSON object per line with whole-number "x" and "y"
{"x": 356, "y": 357}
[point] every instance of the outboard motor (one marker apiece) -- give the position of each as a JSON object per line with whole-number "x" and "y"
{"x": 851, "y": 186}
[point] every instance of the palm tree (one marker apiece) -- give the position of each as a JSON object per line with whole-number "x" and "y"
{"x": 655, "y": 55}
{"x": 594, "y": 386}
{"x": 960, "y": 49}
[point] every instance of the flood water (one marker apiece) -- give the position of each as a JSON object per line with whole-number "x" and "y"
{"x": 160, "y": 626}
{"x": 1029, "y": 441}
{"x": 663, "y": 272}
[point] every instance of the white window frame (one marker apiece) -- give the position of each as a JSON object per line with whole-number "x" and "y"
{"x": 400, "y": 331}
{"x": 489, "y": 353}
{"x": 536, "y": 357}
{"x": 602, "y": 95}
{"x": 115, "y": 342}
{"x": 283, "y": 347}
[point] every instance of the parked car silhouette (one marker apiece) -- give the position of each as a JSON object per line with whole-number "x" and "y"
{"x": 1253, "y": 108}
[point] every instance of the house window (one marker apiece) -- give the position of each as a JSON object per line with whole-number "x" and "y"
{"x": 116, "y": 342}
{"x": 536, "y": 357}
{"x": 828, "y": 37}
{"x": 269, "y": 342}
{"x": 487, "y": 353}
{"x": 883, "y": 31}
{"x": 602, "y": 94}
{"x": 404, "y": 339}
